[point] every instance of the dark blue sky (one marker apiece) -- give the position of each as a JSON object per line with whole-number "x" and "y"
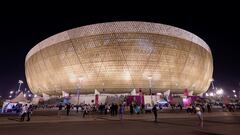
{"x": 218, "y": 25}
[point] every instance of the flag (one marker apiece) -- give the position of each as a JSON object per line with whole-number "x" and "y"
{"x": 96, "y": 100}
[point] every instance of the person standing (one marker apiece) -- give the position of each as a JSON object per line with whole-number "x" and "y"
{"x": 116, "y": 109}
{"x": 29, "y": 112}
{"x": 121, "y": 111}
{"x": 142, "y": 108}
{"x": 154, "y": 110}
{"x": 77, "y": 107}
{"x": 68, "y": 107}
{"x": 112, "y": 108}
{"x": 180, "y": 106}
{"x": 131, "y": 109}
{"x": 203, "y": 108}
{"x": 60, "y": 107}
{"x": 105, "y": 109}
{"x": 208, "y": 107}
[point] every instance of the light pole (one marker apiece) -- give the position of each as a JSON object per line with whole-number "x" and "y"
{"x": 219, "y": 93}
{"x": 20, "y": 83}
{"x": 211, "y": 80}
{"x": 211, "y": 94}
{"x": 11, "y": 92}
{"x": 150, "y": 87}
{"x": 234, "y": 93}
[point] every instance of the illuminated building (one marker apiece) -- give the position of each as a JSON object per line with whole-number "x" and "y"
{"x": 119, "y": 57}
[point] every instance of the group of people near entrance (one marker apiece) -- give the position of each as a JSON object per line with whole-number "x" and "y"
{"x": 113, "y": 109}
{"x": 26, "y": 110}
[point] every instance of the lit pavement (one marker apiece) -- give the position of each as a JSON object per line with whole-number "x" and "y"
{"x": 169, "y": 123}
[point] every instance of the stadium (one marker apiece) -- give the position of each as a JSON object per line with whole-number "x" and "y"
{"x": 117, "y": 57}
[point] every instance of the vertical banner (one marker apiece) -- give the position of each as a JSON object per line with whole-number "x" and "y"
{"x": 185, "y": 93}
{"x": 96, "y": 100}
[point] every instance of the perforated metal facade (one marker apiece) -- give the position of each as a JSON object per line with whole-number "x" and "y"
{"x": 118, "y": 57}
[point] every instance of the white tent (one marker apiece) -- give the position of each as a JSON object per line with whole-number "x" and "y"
{"x": 190, "y": 93}
{"x": 35, "y": 100}
{"x": 166, "y": 93}
{"x": 147, "y": 99}
{"x": 96, "y": 92}
{"x": 74, "y": 100}
{"x": 200, "y": 95}
{"x": 20, "y": 98}
{"x": 45, "y": 97}
{"x": 65, "y": 94}
{"x": 133, "y": 92}
{"x": 121, "y": 94}
{"x": 83, "y": 99}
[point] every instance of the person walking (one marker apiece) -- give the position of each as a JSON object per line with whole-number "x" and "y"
{"x": 23, "y": 112}
{"x": 154, "y": 110}
{"x": 199, "y": 115}
{"x": 84, "y": 110}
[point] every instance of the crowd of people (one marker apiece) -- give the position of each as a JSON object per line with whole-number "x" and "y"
{"x": 115, "y": 109}
{"x": 112, "y": 109}
{"x": 26, "y": 111}
{"x": 23, "y": 110}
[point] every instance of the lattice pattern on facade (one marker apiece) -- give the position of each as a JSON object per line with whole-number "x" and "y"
{"x": 120, "y": 61}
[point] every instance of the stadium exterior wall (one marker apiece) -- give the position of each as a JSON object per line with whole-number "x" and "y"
{"x": 117, "y": 57}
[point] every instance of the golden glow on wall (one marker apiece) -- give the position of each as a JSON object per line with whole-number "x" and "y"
{"x": 120, "y": 55}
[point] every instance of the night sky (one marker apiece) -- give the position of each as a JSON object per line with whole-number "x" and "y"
{"x": 217, "y": 25}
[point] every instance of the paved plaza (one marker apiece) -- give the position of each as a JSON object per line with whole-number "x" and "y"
{"x": 215, "y": 123}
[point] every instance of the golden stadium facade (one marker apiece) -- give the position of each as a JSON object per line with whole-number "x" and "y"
{"x": 118, "y": 57}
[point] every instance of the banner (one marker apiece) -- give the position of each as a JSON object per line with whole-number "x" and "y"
{"x": 185, "y": 93}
